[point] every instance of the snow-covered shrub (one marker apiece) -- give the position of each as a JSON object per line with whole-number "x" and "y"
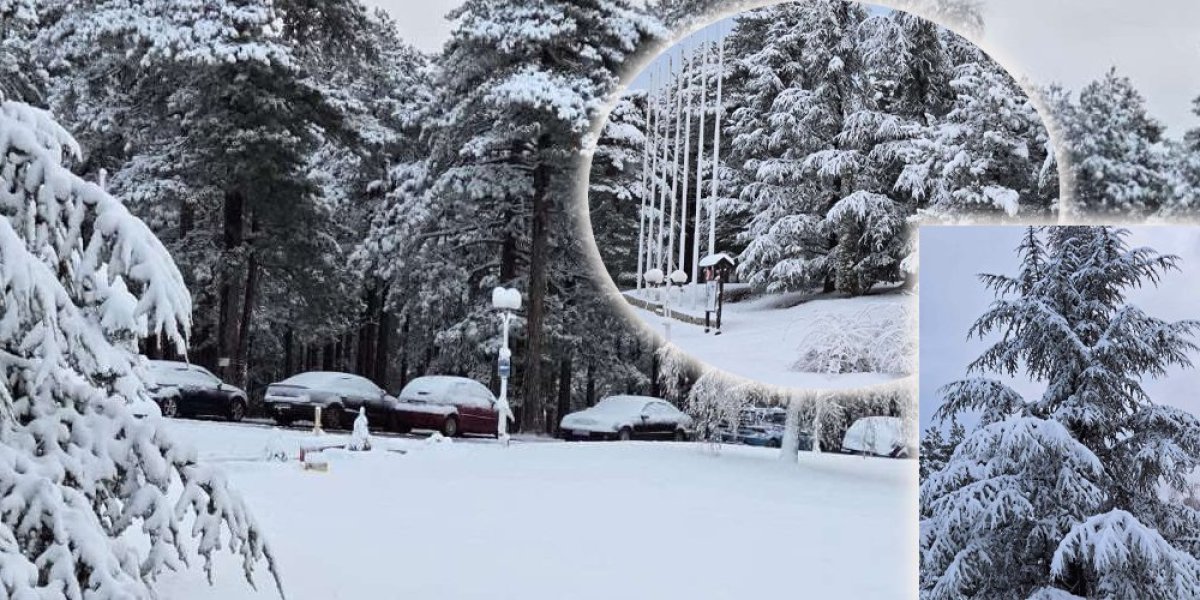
{"x": 875, "y": 339}
{"x": 360, "y": 437}
{"x": 80, "y": 281}
{"x": 717, "y": 400}
{"x": 277, "y": 450}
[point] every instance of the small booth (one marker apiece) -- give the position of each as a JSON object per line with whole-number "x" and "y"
{"x": 716, "y": 269}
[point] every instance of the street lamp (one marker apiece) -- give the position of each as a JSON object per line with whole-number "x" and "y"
{"x": 677, "y": 278}
{"x": 506, "y": 300}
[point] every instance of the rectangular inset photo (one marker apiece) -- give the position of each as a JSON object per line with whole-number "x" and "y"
{"x": 1060, "y": 440}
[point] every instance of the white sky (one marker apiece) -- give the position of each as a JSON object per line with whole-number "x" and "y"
{"x": 1155, "y": 42}
{"x": 952, "y": 298}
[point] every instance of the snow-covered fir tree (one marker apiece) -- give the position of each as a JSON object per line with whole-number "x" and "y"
{"x": 83, "y": 480}
{"x": 1118, "y": 163}
{"x": 1067, "y": 494}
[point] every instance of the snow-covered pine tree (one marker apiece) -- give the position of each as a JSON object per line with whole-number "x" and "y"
{"x": 1117, "y": 160}
{"x": 615, "y": 188}
{"x": 989, "y": 154}
{"x": 1065, "y": 495}
{"x": 521, "y": 82}
{"x": 933, "y": 452}
{"x": 80, "y": 281}
{"x": 1184, "y": 198}
{"x": 20, "y": 77}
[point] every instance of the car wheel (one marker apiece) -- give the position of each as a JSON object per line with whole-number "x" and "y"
{"x": 680, "y": 435}
{"x": 170, "y": 408}
{"x": 237, "y": 410}
{"x": 450, "y": 427}
{"x": 775, "y": 444}
{"x": 331, "y": 417}
{"x": 625, "y": 434}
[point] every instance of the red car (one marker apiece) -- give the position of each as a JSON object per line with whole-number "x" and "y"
{"x": 451, "y": 405}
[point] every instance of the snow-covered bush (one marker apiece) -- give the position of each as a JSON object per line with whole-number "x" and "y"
{"x": 360, "y": 437}
{"x": 80, "y": 281}
{"x": 875, "y": 339}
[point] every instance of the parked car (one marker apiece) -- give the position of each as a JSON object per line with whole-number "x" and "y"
{"x": 451, "y": 405}
{"x": 185, "y": 390}
{"x": 339, "y": 395}
{"x": 760, "y": 435}
{"x": 877, "y": 436}
{"x": 626, "y": 418}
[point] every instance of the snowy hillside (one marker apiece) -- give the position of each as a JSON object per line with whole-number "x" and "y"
{"x": 789, "y": 340}
{"x": 471, "y": 520}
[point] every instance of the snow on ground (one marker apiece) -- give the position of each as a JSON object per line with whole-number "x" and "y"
{"x": 555, "y": 520}
{"x": 760, "y": 339}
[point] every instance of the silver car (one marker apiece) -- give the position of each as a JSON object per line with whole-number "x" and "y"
{"x": 626, "y": 418}
{"x": 339, "y": 395}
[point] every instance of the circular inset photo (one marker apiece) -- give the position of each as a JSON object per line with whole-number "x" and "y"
{"x": 753, "y": 192}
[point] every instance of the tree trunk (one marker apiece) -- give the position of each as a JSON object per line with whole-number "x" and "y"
{"x": 242, "y": 359}
{"x": 289, "y": 343}
{"x": 790, "y": 448}
{"x": 654, "y": 374}
{"x": 533, "y": 416}
{"x": 591, "y": 385}
{"x": 403, "y": 352}
{"x": 231, "y": 281}
{"x": 564, "y": 392}
{"x": 383, "y": 340}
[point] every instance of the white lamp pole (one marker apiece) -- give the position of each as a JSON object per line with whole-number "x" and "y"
{"x": 654, "y": 279}
{"x": 506, "y": 300}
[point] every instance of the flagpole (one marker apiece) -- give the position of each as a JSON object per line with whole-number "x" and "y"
{"x": 675, "y": 165}
{"x": 700, "y": 166}
{"x": 687, "y": 156}
{"x": 712, "y": 215}
{"x": 641, "y": 241}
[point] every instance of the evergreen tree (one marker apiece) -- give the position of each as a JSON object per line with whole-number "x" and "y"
{"x": 520, "y": 82}
{"x": 1117, "y": 161}
{"x": 1065, "y": 493}
{"x": 81, "y": 281}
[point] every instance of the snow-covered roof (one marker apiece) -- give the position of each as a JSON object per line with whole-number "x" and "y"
{"x": 714, "y": 259}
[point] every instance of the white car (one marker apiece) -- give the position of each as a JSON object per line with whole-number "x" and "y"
{"x": 878, "y": 436}
{"x": 626, "y": 418}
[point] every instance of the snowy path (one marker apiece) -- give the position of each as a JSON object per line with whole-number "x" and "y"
{"x": 556, "y": 520}
{"x": 760, "y": 342}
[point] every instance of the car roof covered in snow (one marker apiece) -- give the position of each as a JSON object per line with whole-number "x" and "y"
{"x": 434, "y": 383}
{"x": 439, "y": 388}
{"x": 624, "y": 403}
{"x": 321, "y": 378}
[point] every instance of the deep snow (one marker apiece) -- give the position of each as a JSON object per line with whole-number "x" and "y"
{"x": 761, "y": 338}
{"x": 472, "y": 519}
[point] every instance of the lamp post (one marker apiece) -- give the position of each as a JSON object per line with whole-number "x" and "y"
{"x": 654, "y": 279}
{"x": 676, "y": 278}
{"x": 505, "y": 300}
